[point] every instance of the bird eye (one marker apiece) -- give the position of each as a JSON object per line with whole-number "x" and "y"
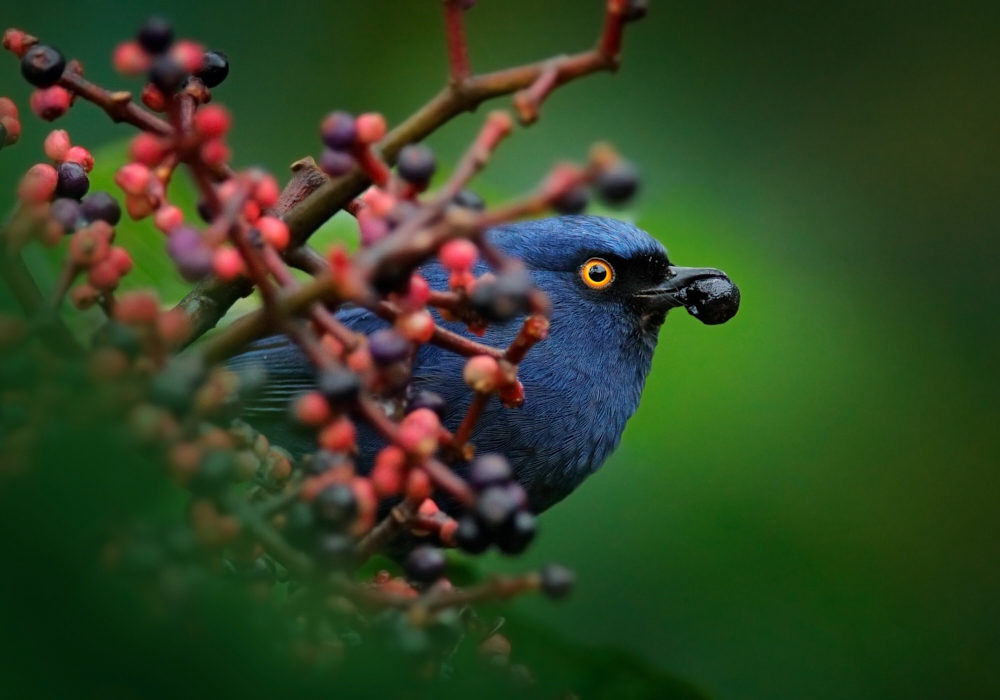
{"x": 597, "y": 273}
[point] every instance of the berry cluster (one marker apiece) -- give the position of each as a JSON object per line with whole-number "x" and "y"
{"x": 266, "y": 518}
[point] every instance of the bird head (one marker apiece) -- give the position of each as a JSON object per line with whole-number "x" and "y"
{"x": 610, "y": 263}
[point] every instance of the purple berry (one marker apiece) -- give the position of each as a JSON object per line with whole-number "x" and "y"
{"x": 65, "y": 212}
{"x": 338, "y": 131}
{"x": 335, "y": 506}
{"x": 336, "y": 163}
{"x": 489, "y": 470}
{"x": 425, "y": 564}
{"x": 467, "y": 199}
{"x": 618, "y": 185}
{"x": 336, "y": 551}
{"x": 42, "y": 65}
{"x": 167, "y": 75}
{"x": 155, "y": 35}
{"x": 192, "y": 257}
{"x": 101, "y": 206}
{"x": 73, "y": 181}
{"x": 339, "y": 386}
{"x": 573, "y": 202}
{"x": 504, "y": 298}
{"x": 416, "y": 164}
{"x": 557, "y": 581}
{"x": 427, "y": 399}
{"x": 387, "y": 346}
{"x": 635, "y": 10}
{"x": 323, "y": 461}
{"x": 495, "y": 508}
{"x": 470, "y": 535}
{"x": 214, "y": 69}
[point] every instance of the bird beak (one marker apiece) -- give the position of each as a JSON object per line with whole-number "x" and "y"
{"x": 708, "y": 294}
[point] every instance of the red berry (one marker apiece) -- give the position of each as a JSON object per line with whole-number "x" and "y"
{"x": 419, "y": 292}
{"x": 418, "y": 485}
{"x": 251, "y": 211}
{"x": 12, "y": 127}
{"x": 267, "y": 193}
{"x": 373, "y": 228}
{"x": 104, "y": 275}
{"x": 212, "y": 121}
{"x": 38, "y": 184}
{"x": 148, "y": 150}
{"x": 50, "y": 103}
{"x": 138, "y": 206}
{"x": 418, "y": 326}
{"x": 371, "y": 127}
{"x": 153, "y": 98}
{"x": 89, "y": 246}
{"x": 130, "y": 59}
{"x": 312, "y": 410}
{"x": 215, "y": 153}
{"x": 8, "y": 108}
{"x": 168, "y": 217}
{"x": 57, "y": 145}
{"x": 481, "y": 374}
{"x": 227, "y": 263}
{"x": 189, "y": 55}
{"x": 275, "y": 232}
{"x": 459, "y": 254}
{"x": 121, "y": 260}
{"x": 133, "y": 178}
{"x": 16, "y": 41}
{"x": 137, "y": 307}
{"x": 418, "y": 433}
{"x": 83, "y": 296}
{"x": 387, "y": 474}
{"x": 339, "y": 436}
{"x": 81, "y": 156}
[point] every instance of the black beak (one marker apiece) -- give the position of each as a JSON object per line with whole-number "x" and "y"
{"x": 708, "y": 294}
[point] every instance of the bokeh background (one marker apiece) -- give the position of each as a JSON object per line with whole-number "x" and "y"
{"x": 806, "y": 504}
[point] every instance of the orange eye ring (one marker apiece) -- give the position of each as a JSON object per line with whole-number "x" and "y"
{"x": 597, "y": 273}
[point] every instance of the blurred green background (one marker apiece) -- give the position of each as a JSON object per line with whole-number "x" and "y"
{"x": 805, "y": 505}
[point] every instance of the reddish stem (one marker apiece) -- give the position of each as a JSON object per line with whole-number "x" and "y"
{"x": 458, "y": 52}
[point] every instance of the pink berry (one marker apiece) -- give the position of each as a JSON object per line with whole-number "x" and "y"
{"x": 129, "y": 59}
{"x": 418, "y": 433}
{"x": 212, "y": 122}
{"x": 227, "y": 263}
{"x": 267, "y": 193}
{"x": 373, "y": 228}
{"x": 418, "y": 485}
{"x": 51, "y": 103}
{"x": 57, "y": 145}
{"x": 148, "y": 150}
{"x": 481, "y": 373}
{"x": 133, "y": 178}
{"x": 121, "y": 260}
{"x": 89, "y": 246}
{"x": 168, "y": 217}
{"x": 39, "y": 184}
{"x": 378, "y": 201}
{"x": 214, "y": 153}
{"x": 459, "y": 254}
{"x": 81, "y": 156}
{"x": 251, "y": 211}
{"x": 8, "y": 108}
{"x": 419, "y": 292}
{"x": 189, "y": 54}
{"x": 138, "y": 206}
{"x": 104, "y": 275}
{"x": 13, "y": 127}
{"x": 417, "y": 326}
{"x": 137, "y": 307}
{"x": 16, "y": 41}
{"x": 275, "y": 232}
{"x": 387, "y": 474}
{"x": 83, "y": 296}
{"x": 312, "y": 410}
{"x": 371, "y": 127}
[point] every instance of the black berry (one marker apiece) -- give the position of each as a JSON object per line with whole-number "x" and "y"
{"x": 495, "y": 508}
{"x": 335, "y": 506}
{"x": 338, "y": 131}
{"x": 155, "y": 35}
{"x": 416, "y": 164}
{"x": 336, "y": 551}
{"x": 503, "y": 298}
{"x": 470, "y": 536}
{"x": 3, "y": 136}
{"x": 299, "y": 524}
{"x": 323, "y": 461}
{"x": 119, "y": 336}
{"x": 214, "y": 474}
{"x": 65, "y": 212}
{"x": 425, "y": 564}
{"x": 339, "y": 386}
{"x": 573, "y": 202}
{"x": 73, "y": 181}
{"x": 205, "y": 211}
{"x": 714, "y": 300}
{"x": 518, "y": 535}
{"x": 42, "y": 65}
{"x": 635, "y": 10}
{"x": 214, "y": 69}
{"x": 618, "y": 184}
{"x": 468, "y": 199}
{"x": 336, "y": 163}
{"x": 427, "y": 399}
{"x": 489, "y": 470}
{"x": 387, "y": 346}
{"x": 101, "y": 206}
{"x": 175, "y": 386}
{"x": 557, "y": 581}
{"x": 167, "y": 75}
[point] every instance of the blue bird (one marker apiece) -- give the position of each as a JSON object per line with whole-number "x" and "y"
{"x": 610, "y": 285}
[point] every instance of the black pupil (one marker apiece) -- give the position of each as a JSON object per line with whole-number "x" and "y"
{"x": 598, "y": 273}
